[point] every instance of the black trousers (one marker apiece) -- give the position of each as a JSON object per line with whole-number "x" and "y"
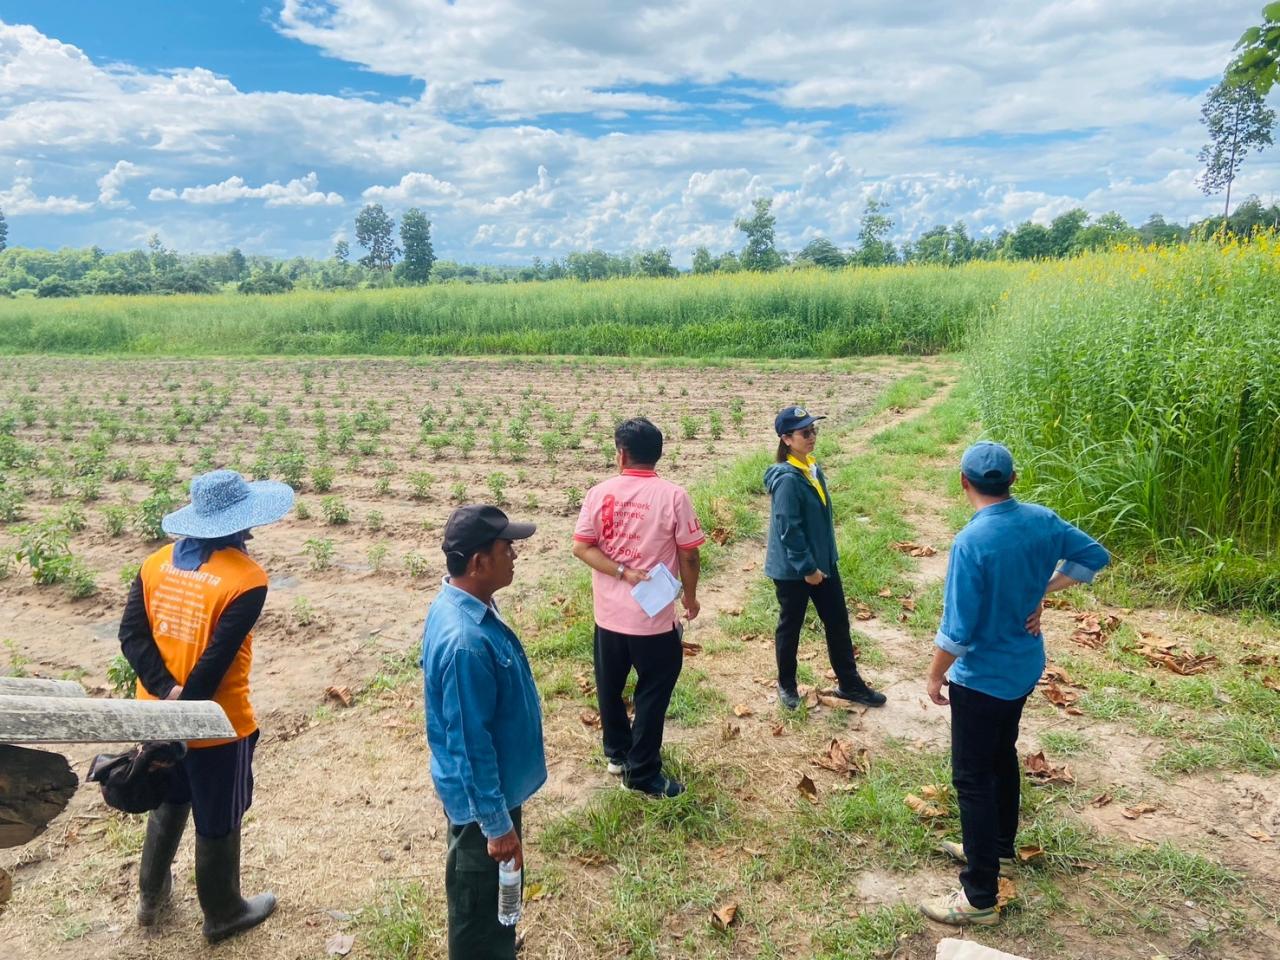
{"x": 658, "y": 660}
{"x": 988, "y": 778}
{"x": 471, "y": 890}
{"x": 793, "y": 604}
{"x": 218, "y": 783}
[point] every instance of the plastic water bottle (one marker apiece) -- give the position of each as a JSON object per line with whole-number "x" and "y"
{"x": 508, "y": 893}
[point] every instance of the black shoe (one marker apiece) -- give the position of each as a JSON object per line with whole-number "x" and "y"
{"x": 859, "y": 692}
{"x": 656, "y": 786}
{"x": 226, "y": 913}
{"x": 155, "y": 881}
{"x": 788, "y": 697}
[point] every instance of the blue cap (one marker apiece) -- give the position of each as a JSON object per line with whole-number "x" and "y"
{"x": 987, "y": 462}
{"x": 793, "y": 418}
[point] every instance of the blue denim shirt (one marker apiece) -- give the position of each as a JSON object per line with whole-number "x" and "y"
{"x": 483, "y": 716}
{"x": 999, "y": 567}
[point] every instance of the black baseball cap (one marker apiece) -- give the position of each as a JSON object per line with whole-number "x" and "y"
{"x": 479, "y": 524}
{"x": 793, "y": 418}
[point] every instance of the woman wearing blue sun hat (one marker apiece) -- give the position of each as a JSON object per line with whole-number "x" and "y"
{"x": 187, "y": 630}
{"x": 802, "y": 560}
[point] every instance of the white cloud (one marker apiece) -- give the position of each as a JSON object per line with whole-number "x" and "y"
{"x": 111, "y": 182}
{"x": 296, "y": 193}
{"x": 21, "y": 199}
{"x": 413, "y": 188}
{"x": 991, "y": 113}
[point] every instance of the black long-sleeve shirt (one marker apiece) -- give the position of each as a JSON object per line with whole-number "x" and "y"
{"x": 138, "y": 645}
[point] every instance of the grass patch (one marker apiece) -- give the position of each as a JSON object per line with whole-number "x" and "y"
{"x": 404, "y": 924}
{"x": 695, "y": 699}
{"x": 870, "y": 935}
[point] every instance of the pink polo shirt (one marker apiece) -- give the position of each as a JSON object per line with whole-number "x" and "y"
{"x": 640, "y": 520}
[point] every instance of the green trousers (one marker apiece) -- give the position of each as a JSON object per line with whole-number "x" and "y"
{"x": 471, "y": 889}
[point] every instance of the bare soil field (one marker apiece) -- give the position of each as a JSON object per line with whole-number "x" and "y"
{"x": 1147, "y": 833}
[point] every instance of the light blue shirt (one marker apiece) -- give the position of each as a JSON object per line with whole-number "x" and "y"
{"x": 483, "y": 716}
{"x": 999, "y": 567}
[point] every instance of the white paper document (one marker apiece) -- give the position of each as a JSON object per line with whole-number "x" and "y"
{"x": 658, "y": 592}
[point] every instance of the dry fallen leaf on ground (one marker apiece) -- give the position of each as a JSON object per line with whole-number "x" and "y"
{"x": 742, "y": 710}
{"x": 722, "y": 917}
{"x": 339, "y": 945}
{"x": 1093, "y": 628}
{"x": 936, "y": 791}
{"x": 1059, "y": 696}
{"x": 908, "y": 603}
{"x": 839, "y": 703}
{"x": 808, "y": 789}
{"x": 1027, "y": 854}
{"x": 731, "y": 731}
{"x": 1134, "y": 812}
{"x": 341, "y": 694}
{"x": 584, "y": 684}
{"x": 534, "y": 891}
{"x": 1167, "y": 653}
{"x": 843, "y": 757}
{"x": 691, "y": 649}
{"x": 923, "y": 808}
{"x": 913, "y": 549}
{"x": 1056, "y": 674}
{"x": 1042, "y": 771}
{"x": 1259, "y": 835}
{"x": 1006, "y": 893}
{"x": 1271, "y": 682}
{"x": 863, "y": 612}
{"x": 589, "y": 718}
{"x": 885, "y": 592}
{"x": 779, "y": 729}
{"x": 1101, "y": 800}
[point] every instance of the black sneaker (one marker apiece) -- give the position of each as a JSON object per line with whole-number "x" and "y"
{"x": 788, "y": 697}
{"x": 657, "y": 786}
{"x": 859, "y": 692}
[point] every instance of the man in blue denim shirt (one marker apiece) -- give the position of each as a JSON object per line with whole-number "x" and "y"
{"x": 1002, "y": 564}
{"x": 484, "y": 726}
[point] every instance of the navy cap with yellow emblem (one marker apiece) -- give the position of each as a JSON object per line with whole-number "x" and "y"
{"x": 793, "y": 418}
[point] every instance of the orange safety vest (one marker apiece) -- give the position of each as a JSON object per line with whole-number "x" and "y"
{"x": 183, "y": 607}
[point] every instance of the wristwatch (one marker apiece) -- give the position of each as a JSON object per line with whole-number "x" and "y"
{"x": 621, "y": 570}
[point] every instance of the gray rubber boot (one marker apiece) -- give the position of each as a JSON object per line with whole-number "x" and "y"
{"x": 226, "y": 913}
{"x": 155, "y": 880}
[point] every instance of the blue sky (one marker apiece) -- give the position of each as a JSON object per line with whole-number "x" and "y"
{"x": 529, "y": 130}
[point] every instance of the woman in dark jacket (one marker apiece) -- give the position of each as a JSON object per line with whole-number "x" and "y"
{"x": 802, "y": 560}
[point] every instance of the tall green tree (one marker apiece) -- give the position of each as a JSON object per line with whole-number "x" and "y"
{"x": 1237, "y": 121}
{"x": 237, "y": 266}
{"x": 655, "y": 263}
{"x": 1258, "y": 62}
{"x": 1064, "y": 229}
{"x": 822, "y": 252}
{"x": 419, "y": 255}
{"x": 373, "y": 232}
{"x": 759, "y": 252}
{"x": 874, "y": 246}
{"x": 702, "y": 261}
{"x": 342, "y": 252}
{"x": 1031, "y": 241}
{"x": 4, "y": 231}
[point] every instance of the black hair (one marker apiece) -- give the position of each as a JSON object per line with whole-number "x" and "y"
{"x": 456, "y": 562}
{"x": 784, "y": 451}
{"x": 640, "y": 440}
{"x": 992, "y": 488}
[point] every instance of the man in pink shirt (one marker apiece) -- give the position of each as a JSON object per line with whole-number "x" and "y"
{"x": 628, "y": 525}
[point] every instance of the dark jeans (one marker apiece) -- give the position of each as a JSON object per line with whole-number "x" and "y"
{"x": 471, "y": 890}
{"x": 658, "y": 660}
{"x": 218, "y": 783}
{"x": 793, "y": 604}
{"x": 985, "y": 770}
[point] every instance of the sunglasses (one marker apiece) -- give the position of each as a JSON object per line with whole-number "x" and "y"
{"x": 808, "y": 432}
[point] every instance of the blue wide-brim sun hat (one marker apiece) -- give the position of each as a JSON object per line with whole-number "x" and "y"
{"x": 223, "y": 503}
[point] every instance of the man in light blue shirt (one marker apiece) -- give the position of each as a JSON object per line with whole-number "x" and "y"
{"x": 484, "y": 726}
{"x": 991, "y": 652}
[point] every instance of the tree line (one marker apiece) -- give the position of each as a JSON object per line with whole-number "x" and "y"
{"x": 160, "y": 270}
